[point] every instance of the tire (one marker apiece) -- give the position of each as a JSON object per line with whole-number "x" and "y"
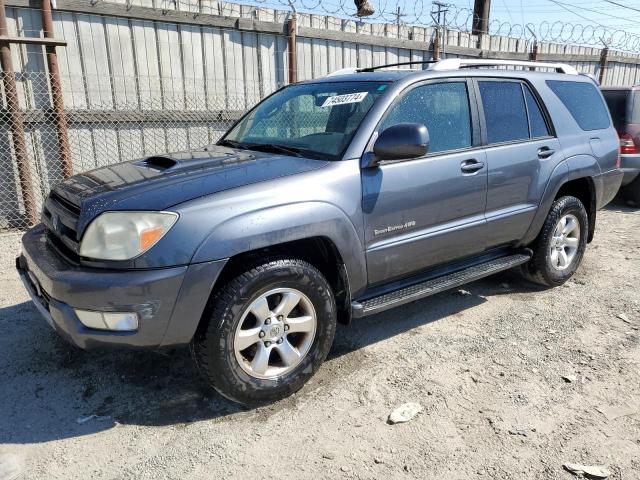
{"x": 236, "y": 311}
{"x": 631, "y": 191}
{"x": 551, "y": 270}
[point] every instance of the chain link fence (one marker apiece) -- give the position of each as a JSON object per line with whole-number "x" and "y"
{"x": 134, "y": 86}
{"x": 148, "y": 123}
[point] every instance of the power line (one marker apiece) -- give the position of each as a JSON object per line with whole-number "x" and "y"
{"x": 564, "y": 6}
{"x": 577, "y": 14}
{"x": 623, "y": 6}
{"x": 508, "y": 11}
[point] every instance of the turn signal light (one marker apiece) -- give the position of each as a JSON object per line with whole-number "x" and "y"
{"x": 149, "y": 237}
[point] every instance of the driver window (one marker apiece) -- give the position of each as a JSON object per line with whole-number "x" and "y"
{"x": 442, "y": 107}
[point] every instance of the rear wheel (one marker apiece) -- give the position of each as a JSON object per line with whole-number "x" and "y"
{"x": 558, "y": 250}
{"x": 266, "y": 332}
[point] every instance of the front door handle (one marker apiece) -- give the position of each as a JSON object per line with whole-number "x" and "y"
{"x": 545, "y": 152}
{"x": 470, "y": 166}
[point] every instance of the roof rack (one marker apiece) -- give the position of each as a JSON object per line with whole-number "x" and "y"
{"x": 350, "y": 70}
{"x": 415, "y": 62}
{"x": 458, "y": 63}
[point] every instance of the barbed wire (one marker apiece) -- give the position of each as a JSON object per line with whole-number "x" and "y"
{"x": 461, "y": 19}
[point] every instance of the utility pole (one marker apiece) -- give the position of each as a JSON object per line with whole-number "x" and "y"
{"x": 480, "y": 24}
{"x": 398, "y": 14}
{"x": 439, "y": 16}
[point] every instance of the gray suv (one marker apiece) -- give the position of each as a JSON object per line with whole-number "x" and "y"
{"x": 332, "y": 199}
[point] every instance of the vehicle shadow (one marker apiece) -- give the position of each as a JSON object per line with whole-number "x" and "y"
{"x": 51, "y": 389}
{"x": 619, "y": 204}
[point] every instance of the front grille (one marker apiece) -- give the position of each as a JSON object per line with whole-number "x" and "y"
{"x": 65, "y": 252}
{"x": 60, "y": 217}
{"x": 72, "y": 208}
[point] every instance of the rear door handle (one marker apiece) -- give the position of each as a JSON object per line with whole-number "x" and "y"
{"x": 472, "y": 165}
{"x": 545, "y": 152}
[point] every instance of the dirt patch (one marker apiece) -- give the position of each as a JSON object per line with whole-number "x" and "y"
{"x": 514, "y": 382}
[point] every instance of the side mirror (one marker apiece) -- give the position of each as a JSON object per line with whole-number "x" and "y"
{"x": 402, "y": 141}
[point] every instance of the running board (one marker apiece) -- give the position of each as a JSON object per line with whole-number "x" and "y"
{"x": 436, "y": 285}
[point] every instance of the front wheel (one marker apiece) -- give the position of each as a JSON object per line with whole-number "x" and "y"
{"x": 558, "y": 250}
{"x": 266, "y": 332}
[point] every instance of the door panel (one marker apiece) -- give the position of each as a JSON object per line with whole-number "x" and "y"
{"x": 422, "y": 212}
{"x": 514, "y": 187}
{"x": 520, "y": 144}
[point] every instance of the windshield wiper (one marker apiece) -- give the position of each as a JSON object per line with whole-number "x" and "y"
{"x": 233, "y": 144}
{"x": 296, "y": 152}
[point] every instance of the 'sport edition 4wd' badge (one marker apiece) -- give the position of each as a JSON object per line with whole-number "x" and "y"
{"x": 394, "y": 228}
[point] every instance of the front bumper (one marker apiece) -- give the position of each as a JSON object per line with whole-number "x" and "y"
{"x": 169, "y": 301}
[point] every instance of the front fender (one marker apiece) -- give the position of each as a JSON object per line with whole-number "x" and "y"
{"x": 285, "y": 223}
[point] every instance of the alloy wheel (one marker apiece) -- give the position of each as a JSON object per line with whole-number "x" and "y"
{"x": 275, "y": 333}
{"x": 565, "y": 242}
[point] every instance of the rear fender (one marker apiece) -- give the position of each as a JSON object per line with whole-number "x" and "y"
{"x": 572, "y": 168}
{"x": 558, "y": 177}
{"x": 581, "y": 166}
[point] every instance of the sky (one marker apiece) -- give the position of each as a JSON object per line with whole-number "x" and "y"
{"x": 625, "y": 16}
{"x": 575, "y": 11}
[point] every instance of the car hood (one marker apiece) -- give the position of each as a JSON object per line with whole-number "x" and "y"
{"x": 159, "y": 182}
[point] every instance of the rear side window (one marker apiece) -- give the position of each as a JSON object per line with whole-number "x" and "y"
{"x": 505, "y": 113}
{"x": 442, "y": 107}
{"x": 584, "y": 102}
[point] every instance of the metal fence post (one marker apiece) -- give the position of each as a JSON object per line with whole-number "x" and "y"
{"x": 57, "y": 98}
{"x": 292, "y": 48}
{"x": 15, "y": 120}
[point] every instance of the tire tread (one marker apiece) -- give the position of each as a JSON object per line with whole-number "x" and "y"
{"x": 217, "y": 309}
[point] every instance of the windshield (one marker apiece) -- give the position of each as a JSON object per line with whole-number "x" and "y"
{"x": 316, "y": 120}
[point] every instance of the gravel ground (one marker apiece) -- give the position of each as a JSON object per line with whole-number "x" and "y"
{"x": 487, "y": 367}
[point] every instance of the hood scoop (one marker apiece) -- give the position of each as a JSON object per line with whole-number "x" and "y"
{"x": 158, "y": 163}
{"x": 193, "y": 160}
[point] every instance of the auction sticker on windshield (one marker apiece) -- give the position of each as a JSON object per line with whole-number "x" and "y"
{"x": 343, "y": 99}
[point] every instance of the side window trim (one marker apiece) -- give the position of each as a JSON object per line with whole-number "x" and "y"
{"x": 483, "y": 124}
{"x": 476, "y": 141}
{"x": 526, "y": 108}
{"x": 543, "y": 109}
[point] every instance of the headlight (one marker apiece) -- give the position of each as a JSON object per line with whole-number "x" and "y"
{"x": 124, "y": 235}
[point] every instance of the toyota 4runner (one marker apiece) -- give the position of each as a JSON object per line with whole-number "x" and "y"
{"x": 332, "y": 199}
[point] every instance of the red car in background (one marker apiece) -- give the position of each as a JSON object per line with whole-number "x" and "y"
{"x": 624, "y": 105}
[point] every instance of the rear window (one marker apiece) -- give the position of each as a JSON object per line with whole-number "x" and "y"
{"x": 584, "y": 102}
